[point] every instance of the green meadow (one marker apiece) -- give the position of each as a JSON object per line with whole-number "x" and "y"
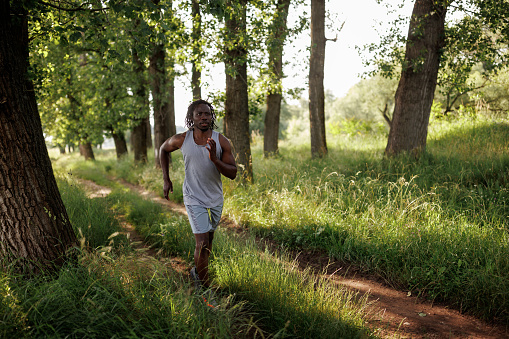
{"x": 436, "y": 227}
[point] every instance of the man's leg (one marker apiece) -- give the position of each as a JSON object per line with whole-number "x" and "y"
{"x": 201, "y": 255}
{"x": 211, "y": 238}
{"x": 203, "y": 222}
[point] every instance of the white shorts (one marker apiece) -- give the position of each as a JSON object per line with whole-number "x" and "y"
{"x": 202, "y": 219}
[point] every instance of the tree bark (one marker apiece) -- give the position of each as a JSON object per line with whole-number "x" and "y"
{"x": 197, "y": 50}
{"x": 316, "y": 75}
{"x": 87, "y": 151}
{"x": 120, "y": 144}
{"x": 139, "y": 141}
{"x": 171, "y": 100}
{"x": 61, "y": 148}
{"x": 35, "y": 231}
{"x": 236, "y": 119}
{"x": 139, "y": 131}
{"x": 416, "y": 89}
{"x": 157, "y": 72}
{"x": 274, "y": 97}
{"x": 149, "y": 134}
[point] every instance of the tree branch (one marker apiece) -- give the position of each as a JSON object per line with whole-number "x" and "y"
{"x": 386, "y": 117}
{"x": 75, "y": 9}
{"x": 336, "y": 38}
{"x": 449, "y": 106}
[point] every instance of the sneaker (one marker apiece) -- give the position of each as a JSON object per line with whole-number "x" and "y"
{"x": 196, "y": 279}
{"x": 209, "y": 299}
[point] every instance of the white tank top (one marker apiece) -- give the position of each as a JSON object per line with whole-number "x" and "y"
{"x": 202, "y": 183}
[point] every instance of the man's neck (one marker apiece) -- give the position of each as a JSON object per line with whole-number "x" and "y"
{"x": 201, "y": 136}
{"x": 202, "y": 133}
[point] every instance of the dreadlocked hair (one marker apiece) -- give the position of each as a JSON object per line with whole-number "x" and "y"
{"x": 190, "y": 111}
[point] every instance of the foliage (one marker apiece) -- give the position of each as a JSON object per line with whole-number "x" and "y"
{"x": 94, "y": 226}
{"x": 121, "y": 298}
{"x": 494, "y": 97}
{"x": 310, "y": 307}
{"x": 366, "y": 100}
{"x": 354, "y": 126}
{"x": 436, "y": 227}
{"x": 84, "y": 64}
{"x": 476, "y": 33}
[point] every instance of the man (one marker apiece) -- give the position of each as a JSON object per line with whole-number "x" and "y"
{"x": 207, "y": 155}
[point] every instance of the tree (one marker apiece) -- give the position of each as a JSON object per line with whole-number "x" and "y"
{"x": 479, "y": 36}
{"x": 196, "y": 49}
{"x": 139, "y": 131}
{"x": 414, "y": 96}
{"x": 366, "y": 100}
{"x": 236, "y": 117}
{"x": 34, "y": 227}
{"x": 162, "y": 83}
{"x": 275, "y": 45}
{"x": 316, "y": 75}
{"x": 87, "y": 96}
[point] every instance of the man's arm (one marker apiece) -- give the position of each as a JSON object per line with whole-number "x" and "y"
{"x": 172, "y": 144}
{"x": 226, "y": 165}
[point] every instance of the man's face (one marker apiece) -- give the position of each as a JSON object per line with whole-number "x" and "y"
{"x": 202, "y": 117}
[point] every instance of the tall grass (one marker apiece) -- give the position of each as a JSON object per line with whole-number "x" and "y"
{"x": 92, "y": 223}
{"x": 284, "y": 300}
{"x": 109, "y": 292}
{"x": 112, "y": 299}
{"x": 290, "y": 302}
{"x": 437, "y": 226}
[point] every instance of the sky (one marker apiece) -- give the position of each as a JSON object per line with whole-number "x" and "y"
{"x": 343, "y": 64}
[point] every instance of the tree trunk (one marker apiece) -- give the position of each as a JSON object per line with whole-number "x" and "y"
{"x": 171, "y": 101}
{"x": 149, "y": 134}
{"x": 274, "y": 97}
{"x": 61, "y": 148}
{"x": 236, "y": 119}
{"x": 316, "y": 75}
{"x": 163, "y": 93}
{"x": 139, "y": 141}
{"x": 157, "y": 72}
{"x": 86, "y": 151}
{"x": 120, "y": 144}
{"x": 139, "y": 131}
{"x": 414, "y": 96}
{"x": 197, "y": 50}
{"x": 35, "y": 231}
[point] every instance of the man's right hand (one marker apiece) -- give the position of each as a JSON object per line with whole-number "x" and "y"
{"x": 167, "y": 187}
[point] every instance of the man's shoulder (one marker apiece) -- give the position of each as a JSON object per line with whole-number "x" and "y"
{"x": 181, "y": 135}
{"x": 179, "y": 138}
{"x": 219, "y": 135}
{"x": 223, "y": 141}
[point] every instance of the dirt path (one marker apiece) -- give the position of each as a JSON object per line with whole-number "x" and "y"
{"x": 396, "y": 314}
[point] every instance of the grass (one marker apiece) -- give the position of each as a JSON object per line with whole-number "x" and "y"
{"x": 91, "y": 221}
{"x": 113, "y": 293}
{"x": 437, "y": 226}
{"x": 284, "y": 300}
{"x": 109, "y": 292}
{"x": 289, "y": 301}
{"x": 119, "y": 298}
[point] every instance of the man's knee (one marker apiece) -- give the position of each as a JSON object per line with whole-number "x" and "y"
{"x": 202, "y": 243}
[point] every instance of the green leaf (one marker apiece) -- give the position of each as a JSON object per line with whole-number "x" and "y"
{"x": 75, "y": 36}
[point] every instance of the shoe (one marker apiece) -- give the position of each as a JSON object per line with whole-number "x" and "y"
{"x": 209, "y": 300}
{"x": 196, "y": 279}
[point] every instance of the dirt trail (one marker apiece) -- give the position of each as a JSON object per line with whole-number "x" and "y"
{"x": 396, "y": 314}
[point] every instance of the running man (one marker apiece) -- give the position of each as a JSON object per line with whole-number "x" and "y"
{"x": 207, "y": 155}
